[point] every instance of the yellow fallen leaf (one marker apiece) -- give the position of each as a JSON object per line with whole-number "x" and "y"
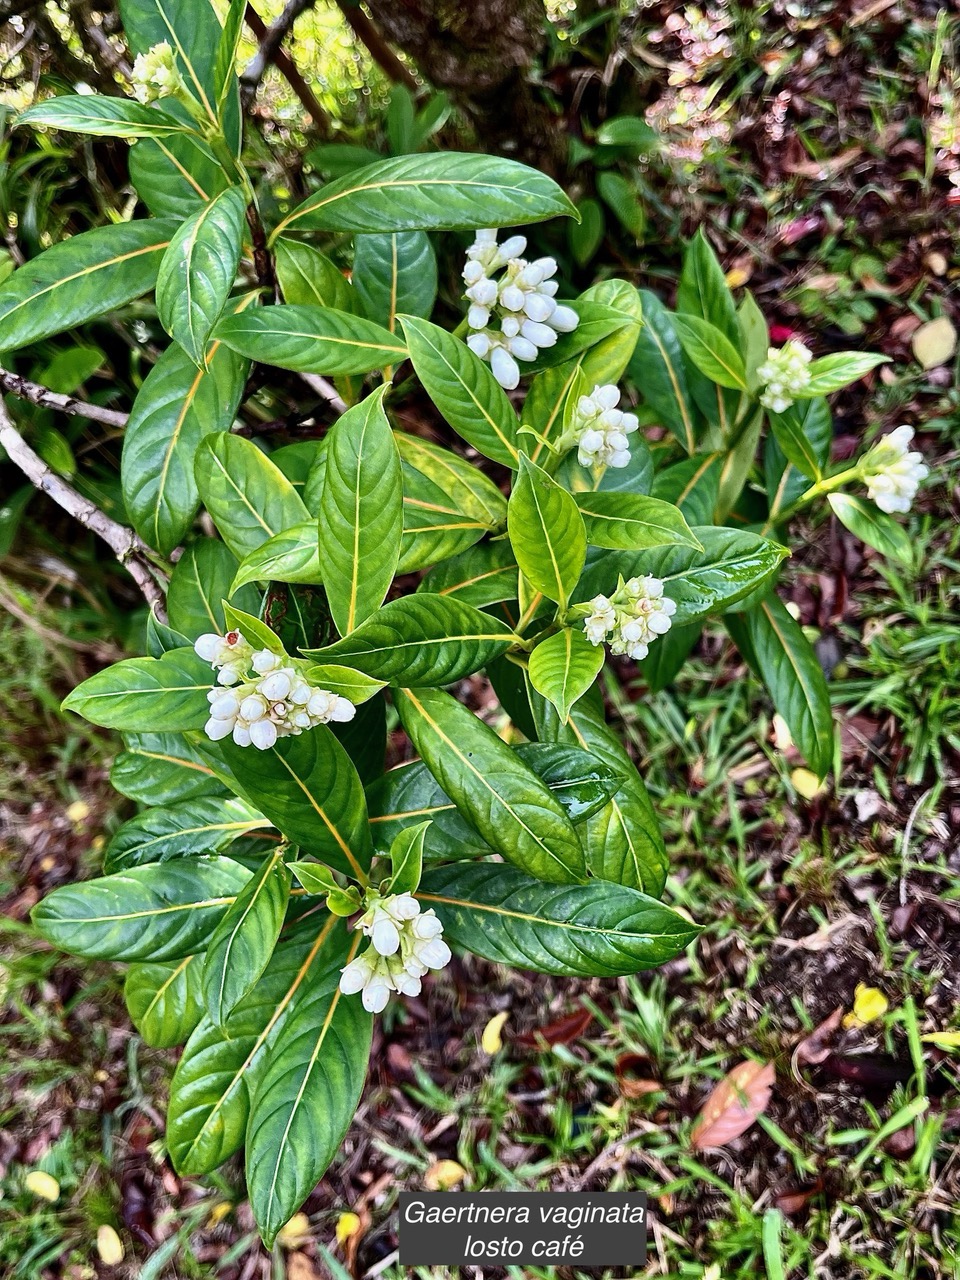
{"x": 943, "y": 1039}
{"x": 444, "y": 1175}
{"x": 806, "y": 783}
{"x": 109, "y": 1246}
{"x": 219, "y": 1212}
{"x": 79, "y": 811}
{"x": 869, "y": 1004}
{"x": 294, "y": 1232}
{"x": 736, "y": 277}
{"x": 43, "y": 1185}
{"x": 492, "y": 1041}
{"x": 934, "y": 343}
{"x": 348, "y": 1224}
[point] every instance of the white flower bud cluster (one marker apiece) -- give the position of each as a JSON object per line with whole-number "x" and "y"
{"x": 632, "y": 618}
{"x": 155, "y": 74}
{"x": 405, "y": 943}
{"x": 784, "y": 375}
{"x": 892, "y": 473}
{"x": 272, "y": 701}
{"x": 523, "y": 299}
{"x": 600, "y": 429}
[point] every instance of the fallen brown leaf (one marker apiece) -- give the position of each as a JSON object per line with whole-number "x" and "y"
{"x": 634, "y": 1076}
{"x": 818, "y": 1044}
{"x": 563, "y": 1031}
{"x": 733, "y": 1106}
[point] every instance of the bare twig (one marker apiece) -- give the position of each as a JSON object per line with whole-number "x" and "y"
{"x": 133, "y": 554}
{"x": 376, "y": 46}
{"x": 326, "y": 390}
{"x": 272, "y": 38}
{"x": 47, "y": 399}
{"x": 262, "y": 261}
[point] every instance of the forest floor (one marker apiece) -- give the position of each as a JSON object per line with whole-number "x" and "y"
{"x": 805, "y": 892}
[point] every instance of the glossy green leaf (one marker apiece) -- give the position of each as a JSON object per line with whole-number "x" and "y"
{"x": 421, "y": 640}
{"x": 754, "y": 338}
{"x": 872, "y": 526}
{"x": 833, "y": 373}
{"x": 434, "y": 525}
{"x": 631, "y": 522}
{"x": 692, "y": 485}
{"x": 711, "y": 351}
{"x": 217, "y": 1073}
{"x": 310, "y": 791}
{"x": 784, "y": 481}
{"x": 623, "y": 198}
{"x": 395, "y": 274}
{"x": 406, "y": 858}
{"x": 254, "y": 631}
{"x": 290, "y": 556}
{"x": 462, "y": 387}
{"x": 444, "y": 191}
{"x": 248, "y": 498}
{"x": 504, "y": 800}
{"x": 628, "y": 131}
{"x": 175, "y": 176}
{"x": 546, "y": 532}
{"x": 162, "y": 769}
{"x": 658, "y": 370}
{"x": 361, "y": 513}
{"x": 151, "y": 913}
{"x": 586, "y": 237}
{"x": 703, "y": 291}
{"x": 356, "y": 686}
{"x": 305, "y": 1101}
{"x": 167, "y": 694}
{"x": 773, "y": 643}
{"x": 200, "y": 581}
{"x": 469, "y": 490}
{"x": 198, "y": 271}
{"x": 100, "y": 117}
{"x": 483, "y": 575}
{"x": 164, "y": 1001}
{"x": 311, "y": 339}
{"x": 80, "y": 278}
{"x": 601, "y": 328}
{"x": 243, "y": 941}
{"x": 224, "y": 67}
{"x": 573, "y": 930}
{"x": 738, "y": 464}
{"x": 364, "y": 738}
{"x": 563, "y": 667}
{"x": 175, "y": 408}
{"x": 308, "y": 278}
{"x": 804, "y": 432}
{"x": 185, "y": 830}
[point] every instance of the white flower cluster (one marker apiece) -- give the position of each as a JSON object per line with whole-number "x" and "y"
{"x": 632, "y": 618}
{"x": 273, "y": 701}
{"x": 892, "y": 473}
{"x": 404, "y": 943}
{"x": 523, "y": 299}
{"x": 600, "y": 429}
{"x": 155, "y": 74}
{"x": 784, "y": 375}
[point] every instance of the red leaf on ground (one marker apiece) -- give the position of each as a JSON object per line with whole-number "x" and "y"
{"x": 563, "y": 1031}
{"x": 734, "y": 1104}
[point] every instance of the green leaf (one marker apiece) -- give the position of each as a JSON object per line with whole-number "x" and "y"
{"x": 483, "y": 575}
{"x": 162, "y": 769}
{"x": 361, "y": 512}
{"x": 151, "y": 913}
{"x": 628, "y": 131}
{"x": 81, "y": 278}
{"x": 198, "y": 271}
{"x": 546, "y": 532}
{"x": 255, "y": 632}
{"x": 666, "y": 658}
{"x": 243, "y": 942}
{"x": 563, "y": 667}
{"x": 434, "y": 525}
{"x": 872, "y": 526}
{"x": 311, "y": 339}
{"x": 305, "y": 1101}
{"x": 463, "y": 389}
{"x": 703, "y": 291}
{"x": 586, "y": 237}
{"x": 308, "y": 278}
{"x": 738, "y": 463}
{"x": 248, "y": 498}
{"x": 364, "y": 738}
{"x": 832, "y": 373}
{"x": 406, "y": 858}
{"x": 658, "y": 371}
{"x": 290, "y": 556}
{"x": 503, "y": 799}
{"x": 445, "y": 191}
{"x": 731, "y": 565}
{"x": 217, "y": 1073}
{"x": 100, "y": 117}
{"x": 185, "y": 830}
{"x": 773, "y": 643}
{"x": 421, "y": 640}
{"x": 310, "y": 791}
{"x": 469, "y": 490}
{"x": 631, "y": 522}
{"x": 622, "y": 841}
{"x": 605, "y": 337}
{"x": 754, "y": 337}
{"x": 175, "y": 176}
{"x": 200, "y": 581}
{"x": 348, "y": 683}
{"x": 224, "y": 67}
{"x": 395, "y": 273}
{"x": 164, "y": 1001}
{"x": 693, "y": 485}
{"x": 167, "y": 694}
{"x": 804, "y": 432}
{"x": 549, "y": 403}
{"x": 784, "y": 481}
{"x": 175, "y": 408}
{"x": 573, "y": 931}
{"x": 621, "y": 195}
{"x": 711, "y": 351}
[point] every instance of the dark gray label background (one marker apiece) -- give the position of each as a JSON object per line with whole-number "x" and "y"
{"x": 430, "y": 1244}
